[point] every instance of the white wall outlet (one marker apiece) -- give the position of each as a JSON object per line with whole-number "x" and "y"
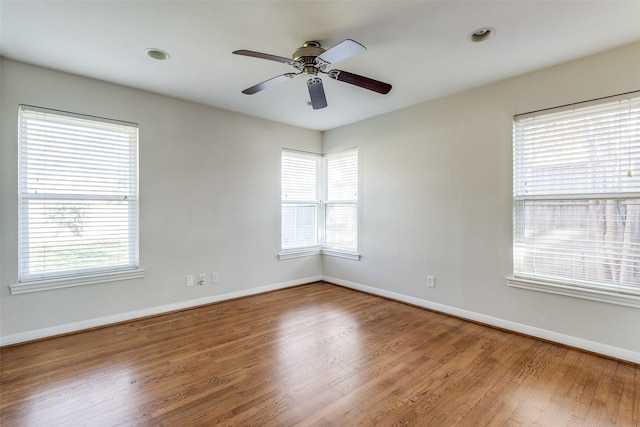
{"x": 202, "y": 279}
{"x": 189, "y": 281}
{"x": 215, "y": 277}
{"x": 431, "y": 282}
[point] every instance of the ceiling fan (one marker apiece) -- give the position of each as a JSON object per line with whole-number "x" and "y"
{"x": 312, "y": 59}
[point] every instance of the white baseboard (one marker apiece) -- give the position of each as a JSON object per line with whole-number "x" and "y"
{"x": 152, "y": 311}
{"x": 591, "y": 346}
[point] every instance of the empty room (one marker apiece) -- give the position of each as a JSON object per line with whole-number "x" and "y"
{"x": 320, "y": 213}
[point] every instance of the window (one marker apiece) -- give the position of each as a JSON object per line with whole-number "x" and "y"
{"x": 78, "y": 199}
{"x": 320, "y": 204}
{"x": 577, "y": 200}
{"x": 300, "y": 200}
{"x": 341, "y": 206}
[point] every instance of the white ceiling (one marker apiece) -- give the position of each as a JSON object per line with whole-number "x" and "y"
{"x": 421, "y": 47}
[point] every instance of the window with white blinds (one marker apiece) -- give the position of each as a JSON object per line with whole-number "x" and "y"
{"x": 319, "y": 203}
{"x": 78, "y": 195}
{"x": 341, "y": 206}
{"x": 576, "y": 174}
{"x": 300, "y": 199}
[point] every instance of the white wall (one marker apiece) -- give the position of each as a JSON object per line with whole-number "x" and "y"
{"x": 436, "y": 199}
{"x": 209, "y": 201}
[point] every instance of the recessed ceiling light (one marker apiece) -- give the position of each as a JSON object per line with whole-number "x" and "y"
{"x": 158, "y": 54}
{"x": 481, "y": 34}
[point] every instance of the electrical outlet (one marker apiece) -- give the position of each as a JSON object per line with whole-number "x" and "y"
{"x": 202, "y": 279}
{"x": 189, "y": 281}
{"x": 215, "y": 277}
{"x": 431, "y": 282}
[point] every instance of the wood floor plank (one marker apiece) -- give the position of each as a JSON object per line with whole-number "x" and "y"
{"x": 314, "y": 355}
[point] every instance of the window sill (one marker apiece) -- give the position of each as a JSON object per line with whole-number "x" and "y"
{"x": 297, "y": 253}
{"x": 574, "y": 291}
{"x": 348, "y": 255}
{"x": 70, "y": 281}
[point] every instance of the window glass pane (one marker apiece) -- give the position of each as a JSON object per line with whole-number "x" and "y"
{"x": 341, "y": 227}
{"x": 588, "y": 242}
{"x": 299, "y": 226}
{"x": 66, "y": 236}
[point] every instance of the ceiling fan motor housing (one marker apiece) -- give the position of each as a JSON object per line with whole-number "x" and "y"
{"x": 304, "y": 58}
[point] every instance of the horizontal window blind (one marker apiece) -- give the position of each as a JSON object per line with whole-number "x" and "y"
{"x": 299, "y": 177}
{"x": 78, "y": 194}
{"x": 342, "y": 176}
{"x": 341, "y": 207}
{"x": 577, "y": 195}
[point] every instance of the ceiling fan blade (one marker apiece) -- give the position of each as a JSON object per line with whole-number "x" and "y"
{"x": 316, "y": 92}
{"x": 268, "y": 83}
{"x": 263, "y": 56}
{"x": 361, "y": 81}
{"x": 343, "y": 50}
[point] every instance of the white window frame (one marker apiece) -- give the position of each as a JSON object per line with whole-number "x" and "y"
{"x": 321, "y": 205}
{"x": 620, "y": 171}
{"x": 34, "y": 276}
{"x": 301, "y": 198}
{"x": 346, "y": 199}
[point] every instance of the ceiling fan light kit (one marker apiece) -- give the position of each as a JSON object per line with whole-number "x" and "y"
{"x": 310, "y": 59}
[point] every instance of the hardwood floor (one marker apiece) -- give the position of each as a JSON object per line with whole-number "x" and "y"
{"x": 314, "y": 355}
